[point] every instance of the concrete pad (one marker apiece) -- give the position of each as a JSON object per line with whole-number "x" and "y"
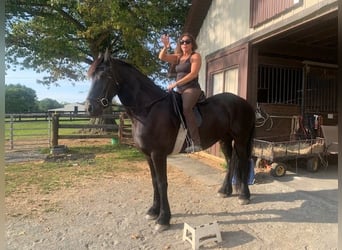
{"x": 197, "y": 169}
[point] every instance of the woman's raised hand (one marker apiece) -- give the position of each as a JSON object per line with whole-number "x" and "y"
{"x": 165, "y": 40}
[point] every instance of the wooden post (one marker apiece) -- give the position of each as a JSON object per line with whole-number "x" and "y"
{"x": 55, "y": 127}
{"x": 12, "y": 131}
{"x": 121, "y": 124}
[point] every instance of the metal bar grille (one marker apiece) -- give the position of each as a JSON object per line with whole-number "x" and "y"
{"x": 282, "y": 85}
{"x": 321, "y": 90}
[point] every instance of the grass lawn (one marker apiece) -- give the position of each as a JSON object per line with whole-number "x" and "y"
{"x": 65, "y": 171}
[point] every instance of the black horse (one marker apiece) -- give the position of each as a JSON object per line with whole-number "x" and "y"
{"x": 227, "y": 118}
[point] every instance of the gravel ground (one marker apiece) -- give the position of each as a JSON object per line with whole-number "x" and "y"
{"x": 297, "y": 212}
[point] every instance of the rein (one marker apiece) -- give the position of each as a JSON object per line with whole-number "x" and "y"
{"x": 147, "y": 106}
{"x": 180, "y": 116}
{"x": 105, "y": 102}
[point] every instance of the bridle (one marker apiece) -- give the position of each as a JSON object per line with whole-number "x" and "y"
{"x": 104, "y": 101}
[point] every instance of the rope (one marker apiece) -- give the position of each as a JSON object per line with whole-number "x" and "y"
{"x": 261, "y": 118}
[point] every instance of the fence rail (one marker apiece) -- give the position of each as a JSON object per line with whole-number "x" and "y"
{"x": 102, "y": 130}
{"x": 26, "y": 132}
{"x": 125, "y": 130}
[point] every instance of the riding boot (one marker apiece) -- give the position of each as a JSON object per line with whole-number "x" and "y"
{"x": 194, "y": 134}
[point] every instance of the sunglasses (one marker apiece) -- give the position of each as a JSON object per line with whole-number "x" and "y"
{"x": 185, "y": 42}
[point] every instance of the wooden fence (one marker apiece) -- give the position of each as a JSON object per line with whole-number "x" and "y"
{"x": 28, "y": 117}
{"x": 26, "y": 132}
{"x": 120, "y": 130}
{"x": 33, "y": 131}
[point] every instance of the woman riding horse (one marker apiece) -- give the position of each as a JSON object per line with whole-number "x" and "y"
{"x": 155, "y": 125}
{"x": 188, "y": 64}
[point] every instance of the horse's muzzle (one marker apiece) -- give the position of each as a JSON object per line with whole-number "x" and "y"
{"x": 93, "y": 109}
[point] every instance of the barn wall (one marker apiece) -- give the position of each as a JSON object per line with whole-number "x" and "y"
{"x": 216, "y": 34}
{"x": 228, "y": 23}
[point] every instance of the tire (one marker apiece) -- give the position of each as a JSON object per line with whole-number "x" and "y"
{"x": 278, "y": 169}
{"x": 312, "y": 165}
{"x": 259, "y": 163}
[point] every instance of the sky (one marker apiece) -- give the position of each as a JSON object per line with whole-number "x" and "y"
{"x": 65, "y": 93}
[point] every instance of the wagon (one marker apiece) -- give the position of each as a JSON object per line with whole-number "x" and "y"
{"x": 277, "y": 154}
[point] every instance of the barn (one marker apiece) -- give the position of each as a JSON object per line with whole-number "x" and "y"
{"x": 281, "y": 56}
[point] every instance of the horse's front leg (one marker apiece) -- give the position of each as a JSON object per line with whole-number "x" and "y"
{"x": 163, "y": 220}
{"x": 160, "y": 199}
{"x": 153, "y": 212}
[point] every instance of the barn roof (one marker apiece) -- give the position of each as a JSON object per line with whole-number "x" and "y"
{"x": 196, "y": 16}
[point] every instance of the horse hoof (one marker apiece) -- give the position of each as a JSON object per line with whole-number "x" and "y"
{"x": 151, "y": 217}
{"x": 160, "y": 228}
{"x": 222, "y": 195}
{"x": 243, "y": 201}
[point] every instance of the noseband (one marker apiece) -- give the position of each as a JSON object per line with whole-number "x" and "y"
{"x": 103, "y": 101}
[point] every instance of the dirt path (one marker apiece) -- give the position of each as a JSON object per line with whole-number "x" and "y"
{"x": 109, "y": 214}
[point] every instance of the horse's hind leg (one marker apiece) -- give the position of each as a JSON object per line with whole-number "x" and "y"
{"x": 242, "y": 172}
{"x": 227, "y": 150}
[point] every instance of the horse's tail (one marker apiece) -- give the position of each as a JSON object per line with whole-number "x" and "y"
{"x": 250, "y": 142}
{"x": 237, "y": 171}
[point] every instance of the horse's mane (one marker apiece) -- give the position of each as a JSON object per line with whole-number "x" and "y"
{"x": 93, "y": 66}
{"x": 147, "y": 82}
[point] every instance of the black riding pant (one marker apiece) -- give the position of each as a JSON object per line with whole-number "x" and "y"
{"x": 190, "y": 97}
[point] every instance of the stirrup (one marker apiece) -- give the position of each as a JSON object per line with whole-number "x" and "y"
{"x": 193, "y": 148}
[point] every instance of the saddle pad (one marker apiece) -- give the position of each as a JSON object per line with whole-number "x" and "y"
{"x": 182, "y": 132}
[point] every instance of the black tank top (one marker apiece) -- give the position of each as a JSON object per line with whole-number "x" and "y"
{"x": 182, "y": 69}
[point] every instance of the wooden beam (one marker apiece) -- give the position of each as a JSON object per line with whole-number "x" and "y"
{"x": 196, "y": 16}
{"x": 297, "y": 51}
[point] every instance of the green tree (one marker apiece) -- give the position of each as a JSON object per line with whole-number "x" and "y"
{"x": 19, "y": 99}
{"x": 47, "y": 103}
{"x": 62, "y": 37}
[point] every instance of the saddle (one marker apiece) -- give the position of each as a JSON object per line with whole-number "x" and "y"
{"x": 178, "y": 107}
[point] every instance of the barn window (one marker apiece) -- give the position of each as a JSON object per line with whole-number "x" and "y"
{"x": 231, "y": 80}
{"x": 226, "y": 81}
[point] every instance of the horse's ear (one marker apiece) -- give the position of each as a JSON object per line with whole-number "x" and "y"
{"x": 107, "y": 55}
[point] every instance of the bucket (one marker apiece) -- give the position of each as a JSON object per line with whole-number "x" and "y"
{"x": 251, "y": 175}
{"x": 114, "y": 141}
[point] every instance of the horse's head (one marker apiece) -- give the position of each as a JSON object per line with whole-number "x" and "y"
{"x": 104, "y": 85}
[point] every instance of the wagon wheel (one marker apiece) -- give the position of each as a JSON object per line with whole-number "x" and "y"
{"x": 259, "y": 163}
{"x": 278, "y": 169}
{"x": 312, "y": 164}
